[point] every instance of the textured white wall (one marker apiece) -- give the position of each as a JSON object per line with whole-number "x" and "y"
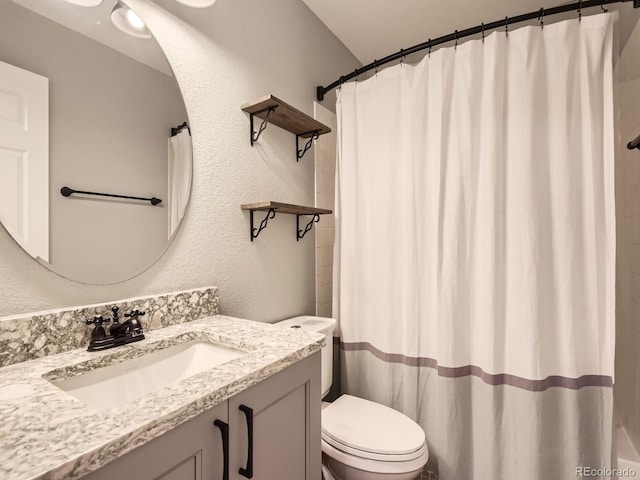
{"x": 225, "y": 56}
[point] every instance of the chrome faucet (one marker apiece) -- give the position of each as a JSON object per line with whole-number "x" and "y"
{"x": 119, "y": 333}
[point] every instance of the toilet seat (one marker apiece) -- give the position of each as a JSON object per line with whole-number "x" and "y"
{"x": 355, "y": 430}
{"x": 375, "y": 466}
{"x": 375, "y": 456}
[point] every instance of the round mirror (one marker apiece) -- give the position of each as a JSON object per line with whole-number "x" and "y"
{"x": 95, "y": 148}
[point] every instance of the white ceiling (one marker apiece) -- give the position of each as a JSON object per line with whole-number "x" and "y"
{"x": 372, "y": 29}
{"x": 95, "y": 23}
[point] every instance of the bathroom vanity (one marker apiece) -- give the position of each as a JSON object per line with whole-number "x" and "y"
{"x": 255, "y": 415}
{"x": 261, "y": 433}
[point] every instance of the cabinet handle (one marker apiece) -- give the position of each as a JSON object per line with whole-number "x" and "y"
{"x": 248, "y": 471}
{"x": 224, "y": 431}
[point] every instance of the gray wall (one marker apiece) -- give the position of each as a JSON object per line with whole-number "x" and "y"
{"x": 627, "y": 106}
{"x": 110, "y": 118}
{"x": 238, "y": 50}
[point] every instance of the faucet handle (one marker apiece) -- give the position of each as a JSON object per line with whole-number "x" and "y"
{"x": 97, "y": 321}
{"x": 98, "y": 332}
{"x": 116, "y": 316}
{"x": 135, "y": 327}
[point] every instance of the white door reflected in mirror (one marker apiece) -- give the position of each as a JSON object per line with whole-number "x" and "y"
{"x": 24, "y": 158}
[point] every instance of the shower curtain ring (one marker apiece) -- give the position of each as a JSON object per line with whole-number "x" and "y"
{"x": 506, "y": 25}
{"x": 541, "y": 17}
{"x": 580, "y": 11}
{"x": 429, "y": 48}
{"x": 604, "y": 10}
{"x": 455, "y": 46}
{"x": 355, "y": 74}
{"x": 401, "y": 57}
{"x": 375, "y": 66}
{"x": 482, "y": 32}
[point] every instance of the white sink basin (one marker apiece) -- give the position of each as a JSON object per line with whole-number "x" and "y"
{"x": 127, "y": 381}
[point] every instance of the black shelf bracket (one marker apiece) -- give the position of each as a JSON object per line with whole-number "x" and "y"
{"x": 263, "y": 224}
{"x": 255, "y": 135}
{"x": 301, "y": 233}
{"x": 634, "y": 144}
{"x": 300, "y": 153}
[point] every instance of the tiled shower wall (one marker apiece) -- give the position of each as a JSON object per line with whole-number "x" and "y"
{"x": 325, "y": 172}
{"x": 627, "y": 118}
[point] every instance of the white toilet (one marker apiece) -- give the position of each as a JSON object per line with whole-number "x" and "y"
{"x": 363, "y": 440}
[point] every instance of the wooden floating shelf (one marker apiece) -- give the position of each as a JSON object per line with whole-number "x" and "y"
{"x": 285, "y": 116}
{"x": 285, "y": 208}
{"x": 272, "y": 207}
{"x": 273, "y": 110}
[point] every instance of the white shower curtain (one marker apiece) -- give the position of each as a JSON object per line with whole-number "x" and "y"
{"x": 475, "y": 249}
{"x": 180, "y": 170}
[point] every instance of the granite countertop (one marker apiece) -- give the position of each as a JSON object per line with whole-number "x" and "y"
{"x": 47, "y": 434}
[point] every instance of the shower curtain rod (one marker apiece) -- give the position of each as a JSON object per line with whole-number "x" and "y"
{"x": 457, "y": 35}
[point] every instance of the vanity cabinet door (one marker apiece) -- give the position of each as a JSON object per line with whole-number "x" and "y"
{"x": 275, "y": 426}
{"x": 191, "y": 451}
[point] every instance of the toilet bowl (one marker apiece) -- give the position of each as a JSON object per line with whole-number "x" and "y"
{"x": 364, "y": 440}
{"x": 361, "y": 439}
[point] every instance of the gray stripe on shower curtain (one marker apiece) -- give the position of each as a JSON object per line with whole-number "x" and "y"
{"x": 543, "y": 435}
{"x": 491, "y": 379}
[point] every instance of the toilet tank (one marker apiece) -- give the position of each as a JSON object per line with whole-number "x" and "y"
{"x": 323, "y": 325}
